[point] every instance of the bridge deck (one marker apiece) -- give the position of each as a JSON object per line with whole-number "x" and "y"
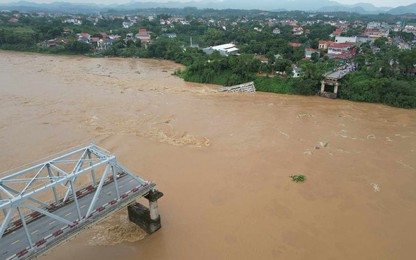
{"x": 338, "y": 74}
{"x": 110, "y": 187}
{"x": 45, "y": 230}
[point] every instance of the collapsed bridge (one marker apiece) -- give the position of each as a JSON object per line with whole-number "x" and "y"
{"x": 45, "y": 203}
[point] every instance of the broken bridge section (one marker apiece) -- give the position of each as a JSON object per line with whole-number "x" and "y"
{"x": 332, "y": 79}
{"x": 45, "y": 203}
{"x": 245, "y": 87}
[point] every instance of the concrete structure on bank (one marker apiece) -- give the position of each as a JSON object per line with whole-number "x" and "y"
{"x": 332, "y": 79}
{"x": 246, "y": 87}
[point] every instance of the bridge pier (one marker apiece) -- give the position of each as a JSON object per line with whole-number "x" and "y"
{"x": 326, "y": 94}
{"x": 322, "y": 86}
{"x": 146, "y": 218}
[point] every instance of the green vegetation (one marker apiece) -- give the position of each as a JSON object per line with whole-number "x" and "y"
{"x": 383, "y": 78}
{"x": 298, "y": 178}
{"x": 385, "y": 74}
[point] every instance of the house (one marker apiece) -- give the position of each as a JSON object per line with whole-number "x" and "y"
{"x": 296, "y": 72}
{"x": 84, "y": 37}
{"x": 144, "y": 36}
{"x": 376, "y": 33}
{"x": 264, "y": 60}
{"x": 95, "y": 40}
{"x": 67, "y": 31}
{"x": 13, "y": 20}
{"x": 127, "y": 25}
{"x": 364, "y": 39}
{"x": 276, "y": 31}
{"x": 105, "y": 43}
{"x": 114, "y": 37}
{"x": 309, "y": 52}
{"x": 343, "y": 57}
{"x": 341, "y": 39}
{"x": 323, "y": 45}
{"x": 295, "y": 44}
{"x": 397, "y": 28}
{"x": 337, "y": 32}
{"x": 224, "y": 49}
{"x": 73, "y": 21}
{"x": 373, "y": 25}
{"x": 297, "y": 31}
{"x": 341, "y": 51}
{"x": 51, "y": 43}
{"x": 169, "y": 35}
{"x": 339, "y": 48}
{"x": 54, "y": 42}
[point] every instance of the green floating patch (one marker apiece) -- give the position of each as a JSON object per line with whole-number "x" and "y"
{"x": 298, "y": 178}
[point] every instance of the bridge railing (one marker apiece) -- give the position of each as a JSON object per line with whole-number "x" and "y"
{"x": 24, "y": 190}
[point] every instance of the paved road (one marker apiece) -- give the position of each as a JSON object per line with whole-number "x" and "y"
{"x": 340, "y": 73}
{"x": 16, "y": 241}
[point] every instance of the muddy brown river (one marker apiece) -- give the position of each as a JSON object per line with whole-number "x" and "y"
{"x": 223, "y": 161}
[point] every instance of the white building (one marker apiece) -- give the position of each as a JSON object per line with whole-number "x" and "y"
{"x": 224, "y": 49}
{"x": 296, "y": 72}
{"x": 341, "y": 39}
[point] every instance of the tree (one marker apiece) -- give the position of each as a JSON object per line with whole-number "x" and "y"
{"x": 78, "y": 47}
{"x": 380, "y": 42}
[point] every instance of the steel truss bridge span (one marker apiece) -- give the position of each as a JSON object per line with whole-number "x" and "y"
{"x": 43, "y": 204}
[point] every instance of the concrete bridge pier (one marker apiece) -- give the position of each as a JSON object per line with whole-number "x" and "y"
{"x": 336, "y": 88}
{"x": 324, "y": 93}
{"x": 146, "y": 218}
{"x": 322, "y": 86}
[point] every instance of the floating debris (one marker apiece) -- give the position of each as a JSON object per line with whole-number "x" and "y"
{"x": 376, "y": 187}
{"x": 298, "y": 178}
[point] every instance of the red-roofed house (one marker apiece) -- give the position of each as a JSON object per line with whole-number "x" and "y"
{"x": 264, "y": 60}
{"x": 376, "y": 33}
{"x": 86, "y": 35}
{"x": 295, "y": 44}
{"x": 144, "y": 36}
{"x": 95, "y": 40}
{"x": 297, "y": 31}
{"x": 341, "y": 51}
{"x": 309, "y": 52}
{"x": 323, "y": 45}
{"x": 337, "y": 32}
{"x": 338, "y": 48}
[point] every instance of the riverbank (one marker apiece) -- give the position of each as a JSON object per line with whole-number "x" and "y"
{"x": 223, "y": 161}
{"x": 197, "y": 67}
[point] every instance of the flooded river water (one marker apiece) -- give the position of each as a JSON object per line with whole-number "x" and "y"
{"x": 222, "y": 160}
